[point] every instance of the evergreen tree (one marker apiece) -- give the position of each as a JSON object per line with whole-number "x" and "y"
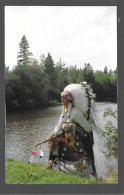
{"x": 110, "y": 72}
{"x": 42, "y": 61}
{"x": 80, "y": 76}
{"x": 24, "y": 56}
{"x": 106, "y": 70}
{"x": 49, "y": 69}
{"x": 51, "y": 77}
{"x": 88, "y": 74}
{"x": 72, "y": 74}
{"x": 61, "y": 72}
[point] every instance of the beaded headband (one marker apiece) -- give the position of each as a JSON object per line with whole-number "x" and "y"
{"x": 67, "y": 95}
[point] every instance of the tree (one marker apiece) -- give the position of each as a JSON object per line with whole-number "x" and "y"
{"x": 42, "y": 61}
{"x": 110, "y": 72}
{"x": 88, "y": 74}
{"x": 80, "y": 76}
{"x": 61, "y": 72}
{"x": 72, "y": 74}
{"x": 24, "y": 56}
{"x": 105, "y": 86}
{"x": 49, "y": 69}
{"x": 106, "y": 70}
{"x": 25, "y": 88}
{"x": 52, "y": 77}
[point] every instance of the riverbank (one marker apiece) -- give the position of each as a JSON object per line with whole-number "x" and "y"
{"x": 33, "y": 107}
{"x": 50, "y": 104}
{"x": 36, "y": 173}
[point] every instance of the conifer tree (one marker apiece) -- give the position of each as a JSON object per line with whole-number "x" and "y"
{"x": 106, "y": 70}
{"x": 24, "y": 56}
{"x": 110, "y": 72}
{"x": 49, "y": 70}
{"x": 42, "y": 61}
{"x": 88, "y": 74}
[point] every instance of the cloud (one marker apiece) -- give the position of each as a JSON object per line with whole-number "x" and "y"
{"x": 75, "y": 34}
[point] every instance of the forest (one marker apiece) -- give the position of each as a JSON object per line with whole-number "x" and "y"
{"x": 34, "y": 84}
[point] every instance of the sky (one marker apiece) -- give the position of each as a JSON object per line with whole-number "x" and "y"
{"x": 76, "y": 34}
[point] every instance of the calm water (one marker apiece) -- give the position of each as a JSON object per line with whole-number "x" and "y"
{"x": 24, "y": 130}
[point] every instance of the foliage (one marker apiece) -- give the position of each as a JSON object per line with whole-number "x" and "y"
{"x": 61, "y": 72}
{"x": 110, "y": 72}
{"x": 105, "y": 86}
{"x": 24, "y": 56}
{"x": 36, "y": 173}
{"x": 42, "y": 61}
{"x": 88, "y": 74}
{"x": 74, "y": 75}
{"x": 111, "y": 132}
{"x": 26, "y": 88}
{"x": 33, "y": 83}
{"x": 49, "y": 70}
{"x": 110, "y": 112}
{"x": 106, "y": 70}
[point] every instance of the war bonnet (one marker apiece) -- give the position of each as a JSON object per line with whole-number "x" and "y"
{"x": 79, "y": 96}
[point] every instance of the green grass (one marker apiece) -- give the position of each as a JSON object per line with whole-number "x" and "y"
{"x": 36, "y": 173}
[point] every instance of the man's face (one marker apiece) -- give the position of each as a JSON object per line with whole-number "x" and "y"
{"x": 64, "y": 100}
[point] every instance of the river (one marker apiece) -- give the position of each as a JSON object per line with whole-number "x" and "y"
{"x": 24, "y": 130}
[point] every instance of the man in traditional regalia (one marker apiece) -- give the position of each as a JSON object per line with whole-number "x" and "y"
{"x": 72, "y": 142}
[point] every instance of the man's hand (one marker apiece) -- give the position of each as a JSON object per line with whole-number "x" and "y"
{"x": 52, "y": 135}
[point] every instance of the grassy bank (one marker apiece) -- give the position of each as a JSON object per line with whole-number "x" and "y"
{"x": 36, "y": 173}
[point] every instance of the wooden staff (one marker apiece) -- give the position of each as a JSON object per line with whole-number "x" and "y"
{"x": 51, "y": 138}
{"x": 47, "y": 140}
